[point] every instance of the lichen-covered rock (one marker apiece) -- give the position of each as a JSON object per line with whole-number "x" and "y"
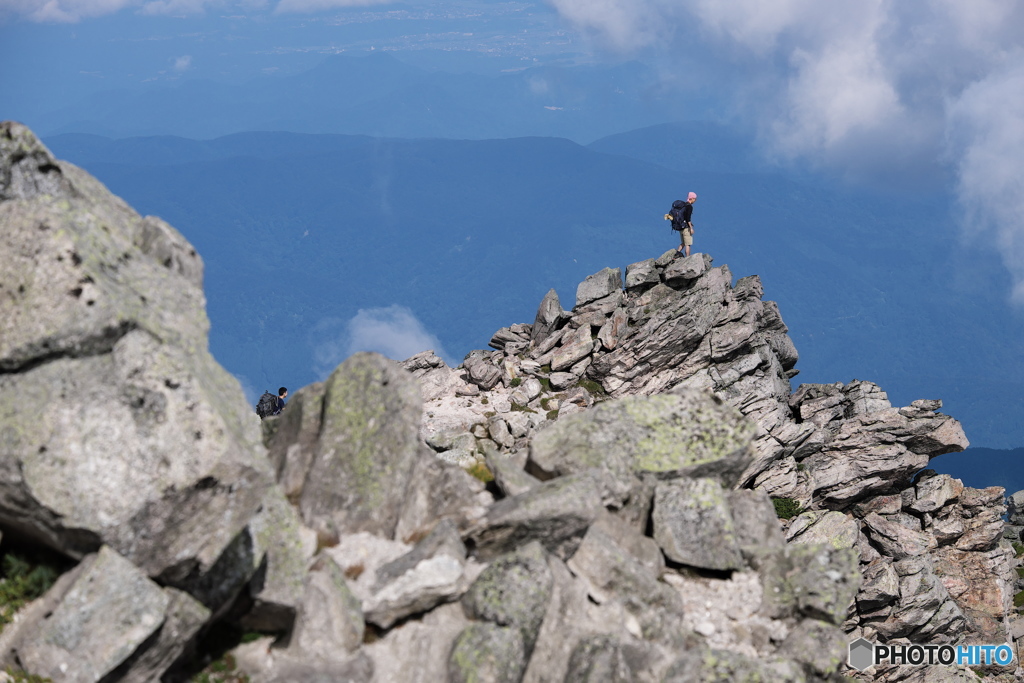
{"x": 367, "y": 447}
{"x": 687, "y": 434}
{"x": 513, "y": 591}
{"x": 606, "y": 659}
{"x": 183, "y": 619}
{"x": 822, "y": 647}
{"x": 693, "y": 524}
{"x": 281, "y": 557}
{"x": 832, "y": 527}
{"x": 816, "y": 581}
{"x": 487, "y": 652}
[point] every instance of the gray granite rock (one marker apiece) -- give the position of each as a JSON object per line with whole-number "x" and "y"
{"x": 330, "y": 622}
{"x": 108, "y": 612}
{"x": 368, "y": 444}
{"x": 693, "y": 524}
{"x": 692, "y": 433}
{"x": 487, "y": 652}
{"x": 556, "y": 513}
{"x": 431, "y": 573}
{"x": 598, "y": 286}
{"x": 549, "y": 315}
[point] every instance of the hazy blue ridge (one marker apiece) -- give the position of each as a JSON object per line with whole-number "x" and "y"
{"x": 470, "y": 234}
{"x": 383, "y": 96}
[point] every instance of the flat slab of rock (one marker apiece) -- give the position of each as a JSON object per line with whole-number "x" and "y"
{"x": 106, "y": 614}
{"x": 599, "y": 285}
{"x": 691, "y": 433}
{"x": 556, "y": 513}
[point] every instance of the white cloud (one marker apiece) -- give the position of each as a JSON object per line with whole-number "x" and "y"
{"x": 393, "y": 331}
{"x": 310, "y": 6}
{"x": 183, "y": 63}
{"x": 861, "y": 86}
{"x": 987, "y": 144}
{"x": 61, "y": 11}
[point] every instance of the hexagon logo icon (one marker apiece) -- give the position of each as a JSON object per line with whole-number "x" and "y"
{"x": 862, "y": 654}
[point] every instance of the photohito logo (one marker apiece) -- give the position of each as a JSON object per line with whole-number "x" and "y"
{"x": 864, "y": 653}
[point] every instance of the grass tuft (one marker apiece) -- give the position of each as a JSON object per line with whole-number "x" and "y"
{"x": 786, "y": 508}
{"x": 481, "y": 472}
{"x": 23, "y": 578}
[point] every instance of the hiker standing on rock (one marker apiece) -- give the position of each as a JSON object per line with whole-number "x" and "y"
{"x": 686, "y": 232}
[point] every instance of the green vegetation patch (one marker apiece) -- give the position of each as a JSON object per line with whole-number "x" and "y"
{"x": 24, "y": 576}
{"x": 786, "y": 508}
{"x": 545, "y": 384}
{"x": 481, "y": 472}
{"x": 19, "y": 676}
{"x": 593, "y": 387}
{"x": 515, "y": 381}
{"x": 522, "y": 409}
{"x": 223, "y": 670}
{"x": 1018, "y": 600}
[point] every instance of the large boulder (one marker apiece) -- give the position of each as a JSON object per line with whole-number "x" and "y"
{"x": 556, "y": 513}
{"x": 369, "y": 440}
{"x": 108, "y": 389}
{"x": 104, "y": 616}
{"x": 691, "y": 433}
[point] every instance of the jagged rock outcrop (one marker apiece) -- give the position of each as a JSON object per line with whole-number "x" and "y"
{"x": 930, "y": 547}
{"x": 635, "y": 442}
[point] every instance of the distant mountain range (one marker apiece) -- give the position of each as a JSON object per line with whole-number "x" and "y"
{"x": 380, "y": 95}
{"x": 300, "y": 232}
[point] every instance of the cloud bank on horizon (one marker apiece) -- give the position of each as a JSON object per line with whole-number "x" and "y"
{"x": 71, "y": 11}
{"x": 860, "y": 86}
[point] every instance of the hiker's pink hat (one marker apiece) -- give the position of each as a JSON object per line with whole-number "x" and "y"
{"x": 692, "y": 195}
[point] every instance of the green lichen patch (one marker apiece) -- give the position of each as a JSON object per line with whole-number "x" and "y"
{"x": 19, "y": 676}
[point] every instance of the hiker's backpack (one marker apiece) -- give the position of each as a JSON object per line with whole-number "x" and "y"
{"x": 677, "y": 214}
{"x": 267, "y": 405}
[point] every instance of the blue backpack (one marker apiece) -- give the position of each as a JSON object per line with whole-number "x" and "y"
{"x": 677, "y": 214}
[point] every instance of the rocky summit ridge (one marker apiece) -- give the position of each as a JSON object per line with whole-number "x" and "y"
{"x": 596, "y": 497}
